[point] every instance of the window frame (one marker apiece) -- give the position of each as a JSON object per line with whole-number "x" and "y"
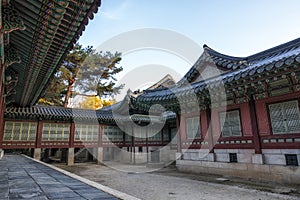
{"x": 270, "y": 119}
{"x": 240, "y": 123}
{"x": 53, "y": 132}
{"x": 26, "y": 135}
{"x": 111, "y": 134}
{"x": 199, "y": 128}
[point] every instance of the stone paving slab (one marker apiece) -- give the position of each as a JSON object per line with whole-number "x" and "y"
{"x": 22, "y": 178}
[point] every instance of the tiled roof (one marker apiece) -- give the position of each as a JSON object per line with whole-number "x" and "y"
{"x": 284, "y": 57}
{"x": 70, "y": 114}
{"x": 259, "y": 67}
{"x": 165, "y": 82}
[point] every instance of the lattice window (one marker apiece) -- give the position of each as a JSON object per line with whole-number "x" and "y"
{"x": 55, "y": 132}
{"x": 128, "y": 133}
{"x": 140, "y": 133}
{"x": 20, "y": 131}
{"x": 166, "y": 134}
{"x": 285, "y": 117}
{"x": 154, "y": 133}
{"x": 86, "y": 132}
{"x": 193, "y": 127}
{"x": 112, "y": 133}
{"x": 174, "y": 135}
{"x": 230, "y": 123}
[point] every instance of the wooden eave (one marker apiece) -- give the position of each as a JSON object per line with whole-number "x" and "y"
{"x": 52, "y": 28}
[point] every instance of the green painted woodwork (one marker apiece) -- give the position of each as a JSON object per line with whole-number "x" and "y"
{"x": 11, "y": 56}
{"x": 52, "y": 27}
{"x": 11, "y": 19}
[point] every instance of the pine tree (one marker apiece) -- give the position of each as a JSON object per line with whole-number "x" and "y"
{"x": 91, "y": 71}
{"x": 97, "y": 74}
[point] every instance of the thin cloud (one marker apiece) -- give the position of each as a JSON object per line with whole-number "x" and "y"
{"x": 117, "y": 12}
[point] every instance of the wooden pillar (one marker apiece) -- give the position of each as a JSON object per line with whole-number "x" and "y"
{"x": 2, "y": 108}
{"x": 100, "y": 130}
{"x": 72, "y": 135}
{"x": 133, "y": 145}
{"x": 2, "y": 124}
{"x": 38, "y": 141}
{"x": 254, "y": 126}
{"x": 210, "y": 136}
{"x": 178, "y": 119}
{"x": 71, "y": 154}
{"x": 2, "y": 75}
{"x": 169, "y": 134}
{"x": 99, "y": 150}
{"x": 123, "y": 137}
{"x": 147, "y": 148}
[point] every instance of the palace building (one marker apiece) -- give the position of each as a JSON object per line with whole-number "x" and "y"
{"x": 228, "y": 115}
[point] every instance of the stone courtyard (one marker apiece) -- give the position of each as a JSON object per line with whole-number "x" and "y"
{"x": 23, "y": 178}
{"x": 168, "y": 183}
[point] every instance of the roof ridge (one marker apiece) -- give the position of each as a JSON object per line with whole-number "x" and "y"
{"x": 276, "y": 49}
{"x": 216, "y": 53}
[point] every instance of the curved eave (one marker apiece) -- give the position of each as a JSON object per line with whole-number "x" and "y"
{"x": 221, "y": 61}
{"x": 275, "y": 51}
{"x": 287, "y": 61}
{"x": 51, "y": 30}
{"x": 123, "y": 107}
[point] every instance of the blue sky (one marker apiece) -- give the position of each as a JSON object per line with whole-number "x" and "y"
{"x": 237, "y": 28}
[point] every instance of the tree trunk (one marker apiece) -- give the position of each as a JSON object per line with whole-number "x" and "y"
{"x": 69, "y": 91}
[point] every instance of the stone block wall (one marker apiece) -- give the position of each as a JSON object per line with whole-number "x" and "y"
{"x": 265, "y": 172}
{"x": 277, "y": 156}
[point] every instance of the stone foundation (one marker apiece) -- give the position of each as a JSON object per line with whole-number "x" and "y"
{"x": 281, "y": 174}
{"x": 1, "y": 154}
{"x": 277, "y": 156}
{"x": 154, "y": 155}
{"x": 37, "y": 153}
{"x": 70, "y": 159}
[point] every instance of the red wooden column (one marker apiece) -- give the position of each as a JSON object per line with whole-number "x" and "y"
{"x": 2, "y": 123}
{"x": 2, "y": 108}
{"x": 38, "y": 141}
{"x": 178, "y": 119}
{"x": 133, "y": 144}
{"x": 72, "y": 135}
{"x": 210, "y": 136}
{"x": 100, "y": 130}
{"x": 71, "y": 155}
{"x": 254, "y": 126}
{"x": 147, "y": 147}
{"x": 100, "y": 146}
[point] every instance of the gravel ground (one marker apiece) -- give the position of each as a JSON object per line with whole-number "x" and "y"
{"x": 167, "y": 183}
